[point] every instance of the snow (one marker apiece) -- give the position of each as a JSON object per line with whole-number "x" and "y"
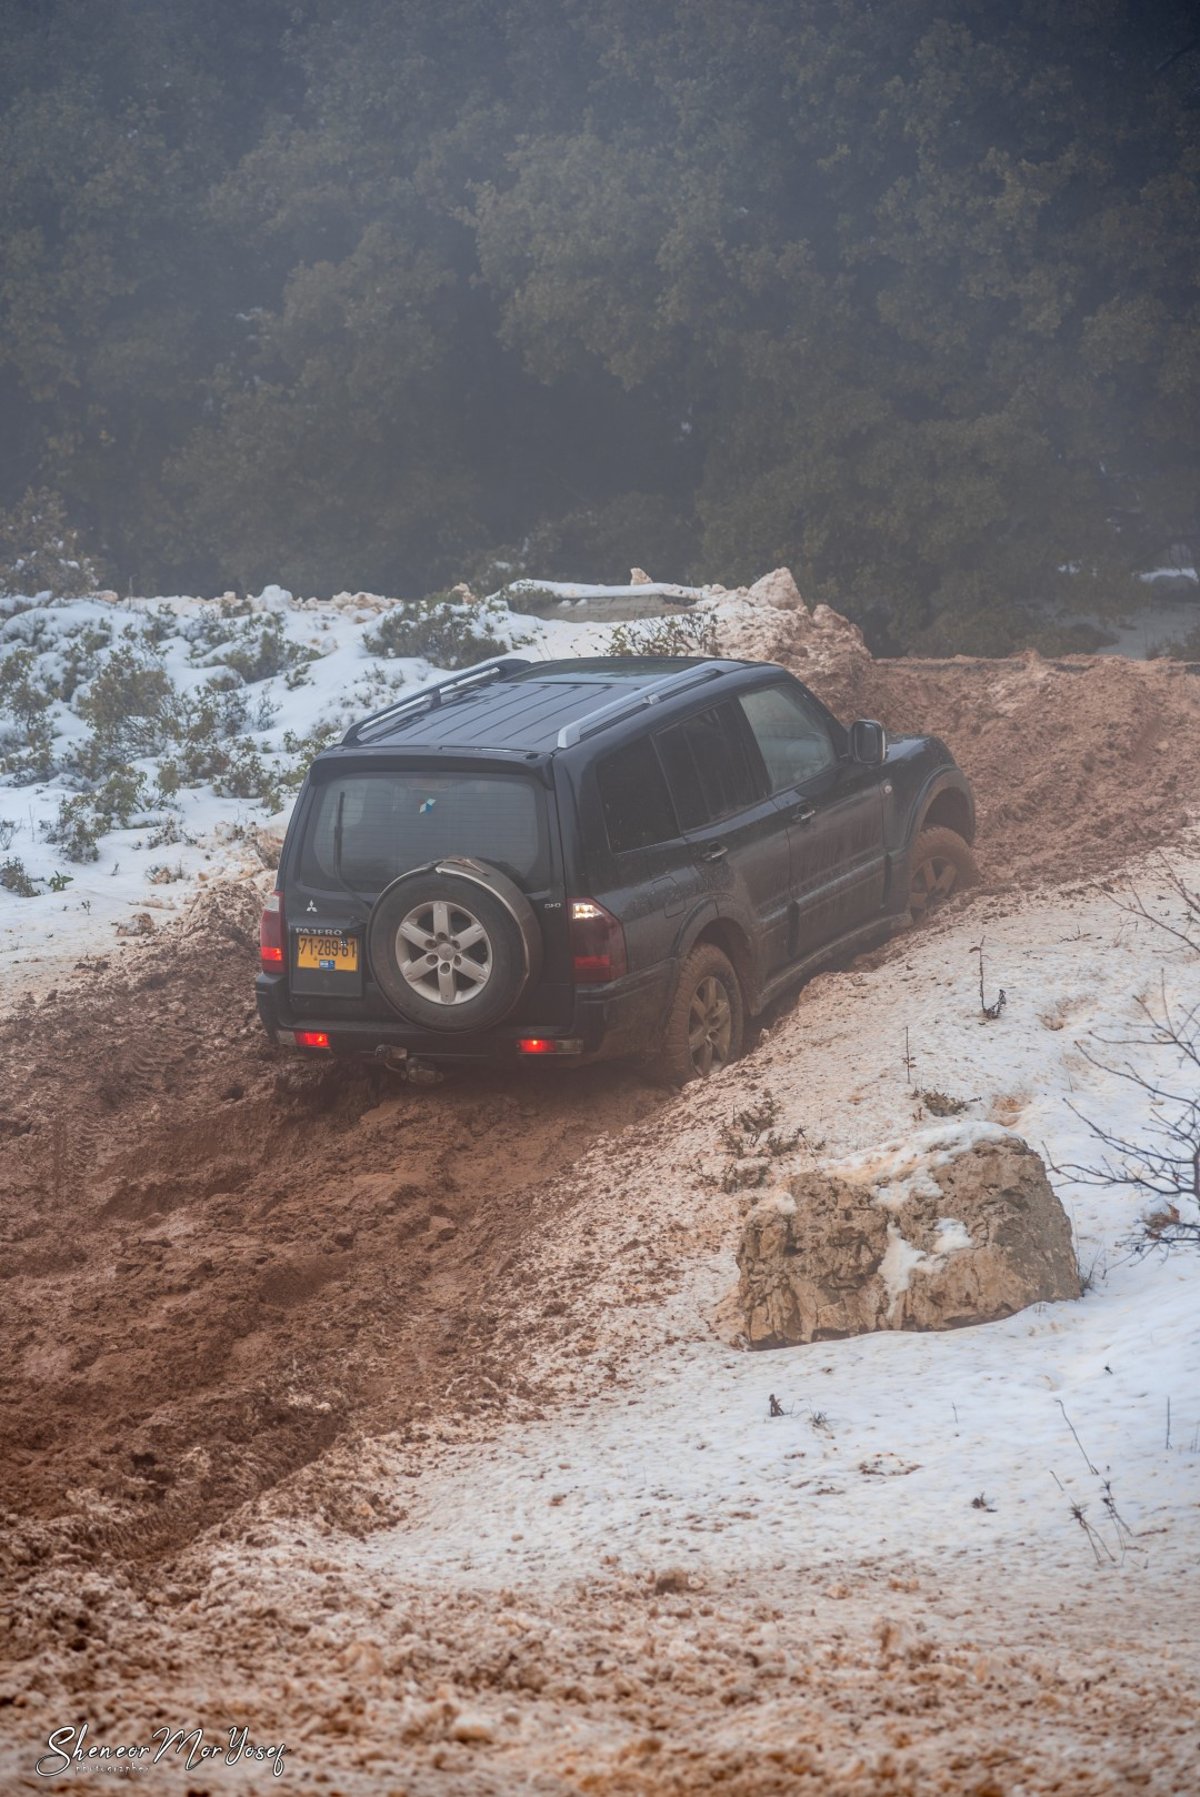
{"x": 43, "y": 937}
{"x": 579, "y": 590}
{"x": 679, "y": 1460}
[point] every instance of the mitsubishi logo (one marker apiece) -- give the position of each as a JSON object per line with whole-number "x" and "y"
{"x": 311, "y": 905}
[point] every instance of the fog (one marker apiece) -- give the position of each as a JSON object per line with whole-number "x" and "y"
{"x": 410, "y": 291}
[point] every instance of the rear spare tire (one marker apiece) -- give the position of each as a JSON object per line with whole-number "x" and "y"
{"x": 452, "y": 947}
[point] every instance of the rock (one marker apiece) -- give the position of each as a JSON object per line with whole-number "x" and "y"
{"x": 778, "y": 589}
{"x": 140, "y": 924}
{"x": 463, "y": 592}
{"x": 473, "y": 1727}
{"x": 638, "y": 577}
{"x": 957, "y": 1224}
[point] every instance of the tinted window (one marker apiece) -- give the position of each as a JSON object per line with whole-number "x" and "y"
{"x": 708, "y": 766}
{"x": 791, "y": 734}
{"x": 392, "y": 822}
{"x": 634, "y": 798}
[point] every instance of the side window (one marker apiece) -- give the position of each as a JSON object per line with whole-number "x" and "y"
{"x": 708, "y": 766}
{"x": 634, "y": 798}
{"x": 791, "y": 734}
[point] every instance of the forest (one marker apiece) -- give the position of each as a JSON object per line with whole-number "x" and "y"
{"x": 389, "y": 294}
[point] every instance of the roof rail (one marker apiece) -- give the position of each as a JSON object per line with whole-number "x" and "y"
{"x": 428, "y": 698}
{"x": 664, "y": 688}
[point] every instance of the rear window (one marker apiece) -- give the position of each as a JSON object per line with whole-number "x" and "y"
{"x": 392, "y": 821}
{"x": 634, "y": 798}
{"x": 708, "y": 766}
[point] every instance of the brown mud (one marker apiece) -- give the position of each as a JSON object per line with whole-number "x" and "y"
{"x": 219, "y": 1268}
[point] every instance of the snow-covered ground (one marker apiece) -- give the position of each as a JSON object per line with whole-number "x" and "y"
{"x": 890, "y": 1444}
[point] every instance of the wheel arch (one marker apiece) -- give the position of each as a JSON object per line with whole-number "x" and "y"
{"x": 729, "y": 936}
{"x": 948, "y": 805}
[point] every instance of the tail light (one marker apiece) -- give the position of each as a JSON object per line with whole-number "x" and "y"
{"x": 272, "y": 935}
{"x": 597, "y": 944}
{"x": 312, "y": 1039}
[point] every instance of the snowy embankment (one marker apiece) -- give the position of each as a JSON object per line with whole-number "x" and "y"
{"x": 145, "y": 743}
{"x": 981, "y": 1441}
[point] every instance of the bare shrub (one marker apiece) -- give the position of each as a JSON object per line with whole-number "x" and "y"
{"x": 1163, "y": 1162}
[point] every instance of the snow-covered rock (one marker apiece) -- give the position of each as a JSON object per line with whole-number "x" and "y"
{"x": 958, "y": 1225}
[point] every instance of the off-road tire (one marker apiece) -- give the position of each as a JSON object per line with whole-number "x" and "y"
{"x": 706, "y": 1023}
{"x": 448, "y": 952}
{"x": 941, "y": 864}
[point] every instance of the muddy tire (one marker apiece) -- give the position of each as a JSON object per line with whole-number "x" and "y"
{"x": 453, "y": 950}
{"x": 941, "y": 865}
{"x": 706, "y": 1024}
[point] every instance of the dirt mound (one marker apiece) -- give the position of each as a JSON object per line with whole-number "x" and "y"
{"x": 1077, "y": 764}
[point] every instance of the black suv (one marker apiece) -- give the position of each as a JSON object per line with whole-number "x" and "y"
{"x": 595, "y": 858}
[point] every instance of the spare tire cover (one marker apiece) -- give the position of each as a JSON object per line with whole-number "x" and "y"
{"x": 453, "y": 946}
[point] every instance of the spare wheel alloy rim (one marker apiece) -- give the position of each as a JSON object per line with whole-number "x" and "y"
{"x": 444, "y": 952}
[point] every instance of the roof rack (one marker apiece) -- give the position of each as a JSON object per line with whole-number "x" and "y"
{"x": 616, "y": 709}
{"x": 428, "y": 698}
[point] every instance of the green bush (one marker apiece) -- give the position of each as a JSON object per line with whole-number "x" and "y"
{"x": 29, "y": 758}
{"x": 442, "y": 629}
{"x": 21, "y": 691}
{"x": 689, "y": 633}
{"x": 262, "y": 649}
{"x": 13, "y": 878}
{"x": 39, "y": 552}
{"x": 127, "y": 704}
{"x": 76, "y": 829}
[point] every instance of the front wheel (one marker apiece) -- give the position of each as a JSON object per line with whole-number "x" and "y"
{"x": 942, "y": 864}
{"x": 706, "y": 1023}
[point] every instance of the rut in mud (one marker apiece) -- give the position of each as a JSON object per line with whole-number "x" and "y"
{"x": 217, "y": 1261}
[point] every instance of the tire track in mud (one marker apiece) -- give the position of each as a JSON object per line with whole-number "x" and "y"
{"x": 218, "y": 1261}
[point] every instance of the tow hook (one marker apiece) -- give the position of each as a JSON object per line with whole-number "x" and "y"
{"x": 409, "y": 1067}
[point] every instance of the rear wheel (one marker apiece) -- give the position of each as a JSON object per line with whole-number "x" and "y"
{"x": 942, "y": 864}
{"x": 706, "y": 1023}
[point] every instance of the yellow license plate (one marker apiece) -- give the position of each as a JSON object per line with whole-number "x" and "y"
{"x": 327, "y": 954}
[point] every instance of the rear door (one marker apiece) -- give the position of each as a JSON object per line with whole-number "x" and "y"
{"x": 834, "y": 812}
{"x": 366, "y": 821}
{"x": 736, "y": 834}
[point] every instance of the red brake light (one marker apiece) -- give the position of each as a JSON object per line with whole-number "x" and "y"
{"x": 597, "y": 944}
{"x": 272, "y": 934}
{"x": 311, "y": 1039}
{"x": 536, "y": 1045}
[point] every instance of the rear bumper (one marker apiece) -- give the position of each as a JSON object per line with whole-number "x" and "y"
{"x": 607, "y": 1022}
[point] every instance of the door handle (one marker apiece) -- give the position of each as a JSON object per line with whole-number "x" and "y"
{"x": 803, "y": 814}
{"x": 717, "y": 852}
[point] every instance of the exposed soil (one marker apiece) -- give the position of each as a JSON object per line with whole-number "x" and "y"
{"x": 220, "y": 1269}
{"x": 215, "y": 1258}
{"x": 1076, "y": 764}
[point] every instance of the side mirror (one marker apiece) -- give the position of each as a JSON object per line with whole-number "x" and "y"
{"x": 868, "y": 742}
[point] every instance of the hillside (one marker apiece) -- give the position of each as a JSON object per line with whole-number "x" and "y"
{"x": 389, "y": 1420}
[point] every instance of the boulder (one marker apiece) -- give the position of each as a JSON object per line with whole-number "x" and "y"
{"x": 955, "y": 1225}
{"x": 779, "y": 589}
